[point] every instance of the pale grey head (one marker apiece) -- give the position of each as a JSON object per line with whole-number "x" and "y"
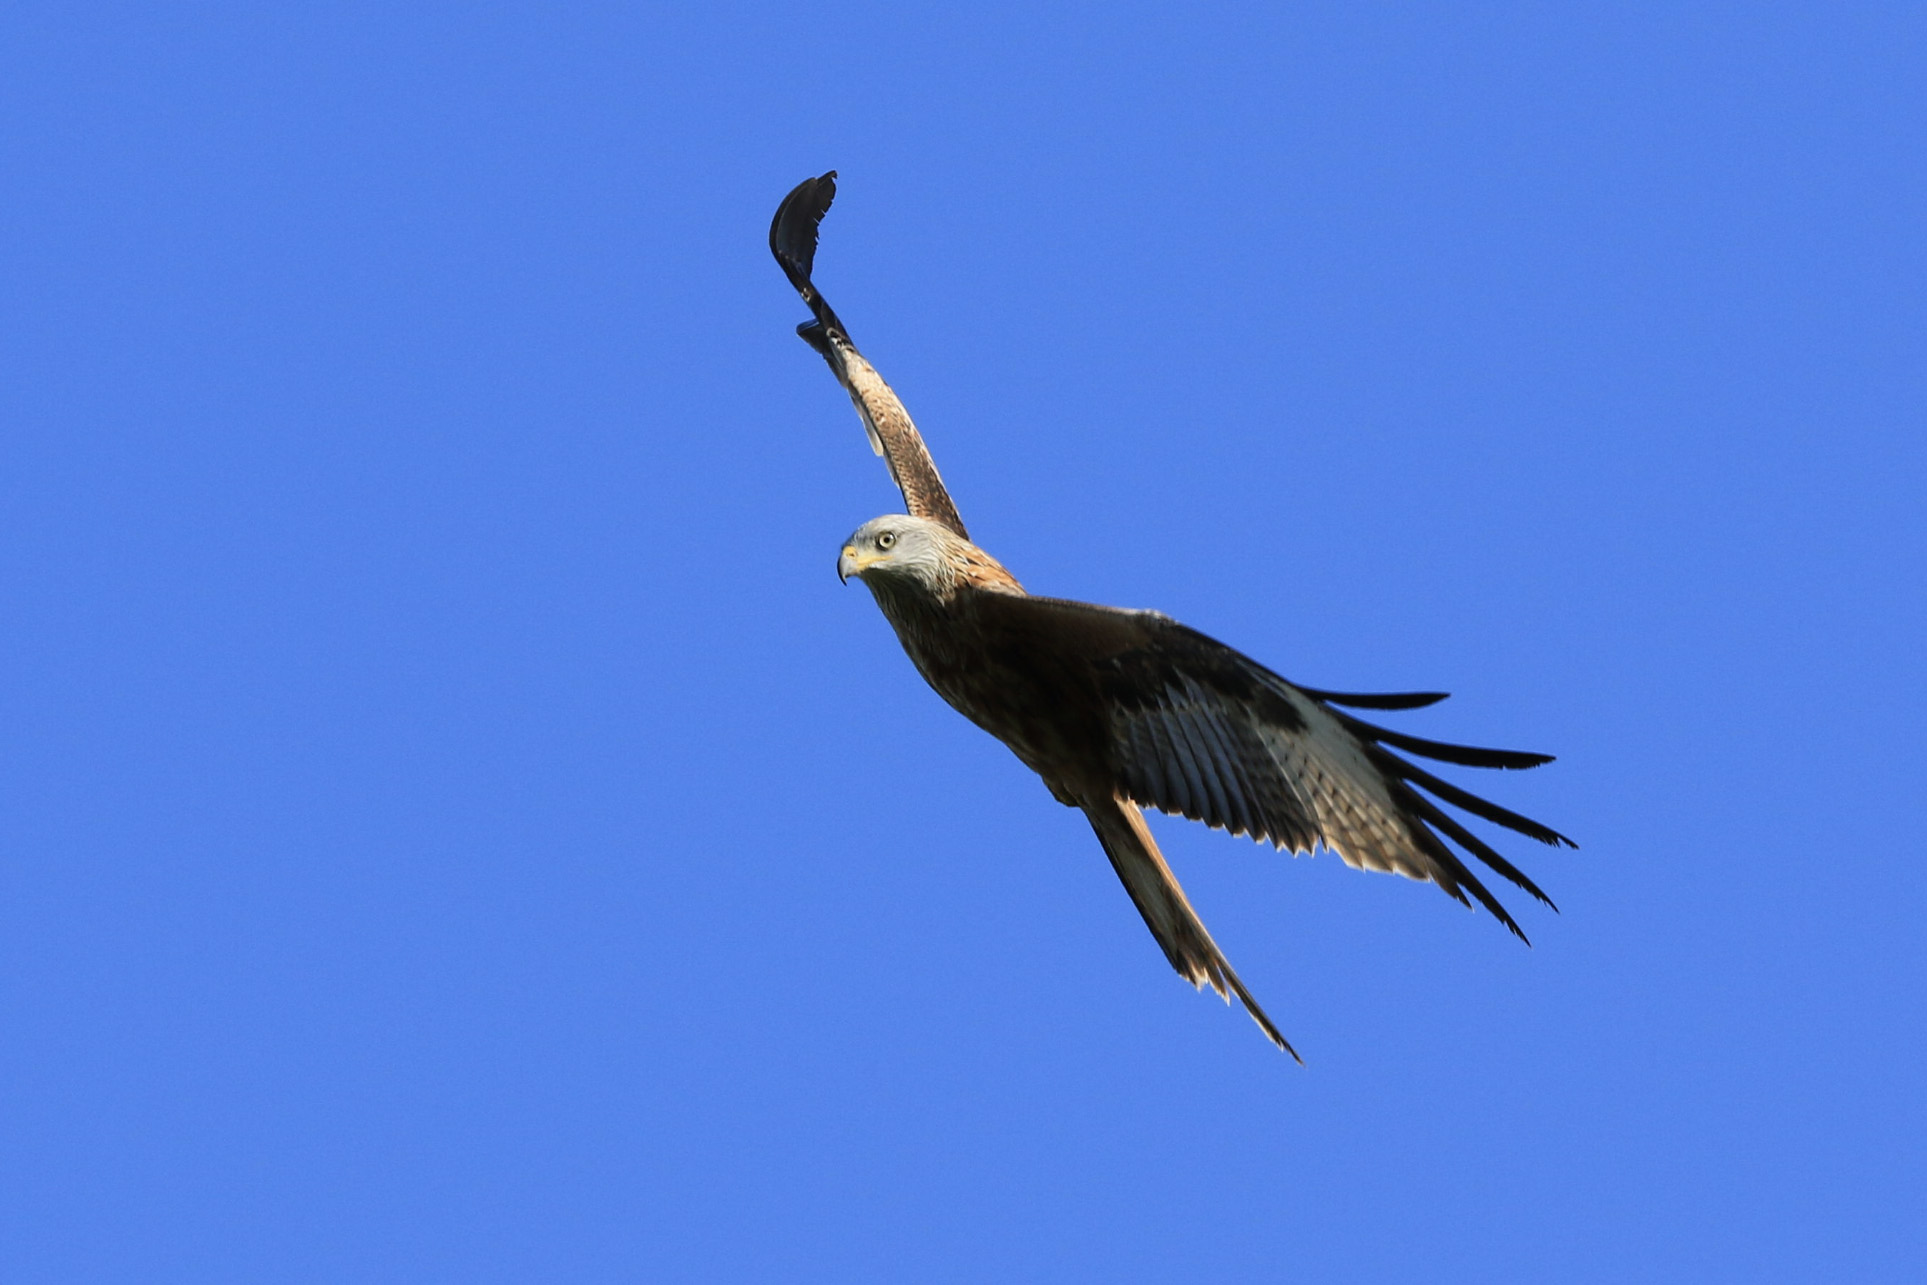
{"x": 899, "y": 551}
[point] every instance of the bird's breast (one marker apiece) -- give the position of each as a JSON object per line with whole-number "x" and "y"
{"x": 1013, "y": 688}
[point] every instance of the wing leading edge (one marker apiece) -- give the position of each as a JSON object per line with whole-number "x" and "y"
{"x": 792, "y": 239}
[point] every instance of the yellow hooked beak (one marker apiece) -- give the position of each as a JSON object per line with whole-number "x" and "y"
{"x": 851, "y": 563}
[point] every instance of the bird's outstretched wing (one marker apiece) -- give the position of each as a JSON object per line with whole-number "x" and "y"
{"x": 1196, "y": 729}
{"x": 792, "y": 239}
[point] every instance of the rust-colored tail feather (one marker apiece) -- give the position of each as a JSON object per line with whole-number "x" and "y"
{"x": 1167, "y": 911}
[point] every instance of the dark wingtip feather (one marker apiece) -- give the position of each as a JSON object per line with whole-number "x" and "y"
{"x": 792, "y": 239}
{"x": 1497, "y": 908}
{"x": 1466, "y": 755}
{"x": 1475, "y": 845}
{"x": 1393, "y": 765}
{"x": 1453, "y": 875}
{"x": 792, "y": 233}
{"x": 1377, "y": 700}
{"x": 813, "y": 334}
{"x": 1458, "y": 878}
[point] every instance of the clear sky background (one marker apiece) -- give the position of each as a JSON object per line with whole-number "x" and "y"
{"x": 454, "y": 826}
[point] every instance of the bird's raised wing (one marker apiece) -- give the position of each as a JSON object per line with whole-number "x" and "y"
{"x": 1199, "y": 730}
{"x": 792, "y": 239}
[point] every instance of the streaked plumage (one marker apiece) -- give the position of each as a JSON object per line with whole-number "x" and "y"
{"x": 1120, "y": 710}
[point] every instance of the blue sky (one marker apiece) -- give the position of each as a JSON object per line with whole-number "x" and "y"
{"x": 454, "y": 826}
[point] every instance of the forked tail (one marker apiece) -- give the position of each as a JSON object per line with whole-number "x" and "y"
{"x": 1167, "y": 911}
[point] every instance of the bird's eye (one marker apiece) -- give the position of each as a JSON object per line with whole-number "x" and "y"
{"x": 886, "y": 540}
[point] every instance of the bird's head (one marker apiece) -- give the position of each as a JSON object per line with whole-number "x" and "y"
{"x": 899, "y": 552}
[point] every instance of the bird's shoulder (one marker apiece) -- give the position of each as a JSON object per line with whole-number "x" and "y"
{"x": 1065, "y": 625}
{"x": 1139, "y": 654}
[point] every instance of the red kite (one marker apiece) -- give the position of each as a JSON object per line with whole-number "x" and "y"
{"x": 1119, "y": 710}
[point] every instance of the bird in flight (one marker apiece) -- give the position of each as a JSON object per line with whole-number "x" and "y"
{"x": 1123, "y": 710}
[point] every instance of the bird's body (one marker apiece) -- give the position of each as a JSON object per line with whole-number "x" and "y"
{"x": 1118, "y": 710}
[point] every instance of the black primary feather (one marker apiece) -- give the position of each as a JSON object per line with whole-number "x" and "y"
{"x": 1377, "y": 700}
{"x": 792, "y": 233}
{"x": 1473, "y": 803}
{"x": 792, "y": 239}
{"x": 1466, "y": 755}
